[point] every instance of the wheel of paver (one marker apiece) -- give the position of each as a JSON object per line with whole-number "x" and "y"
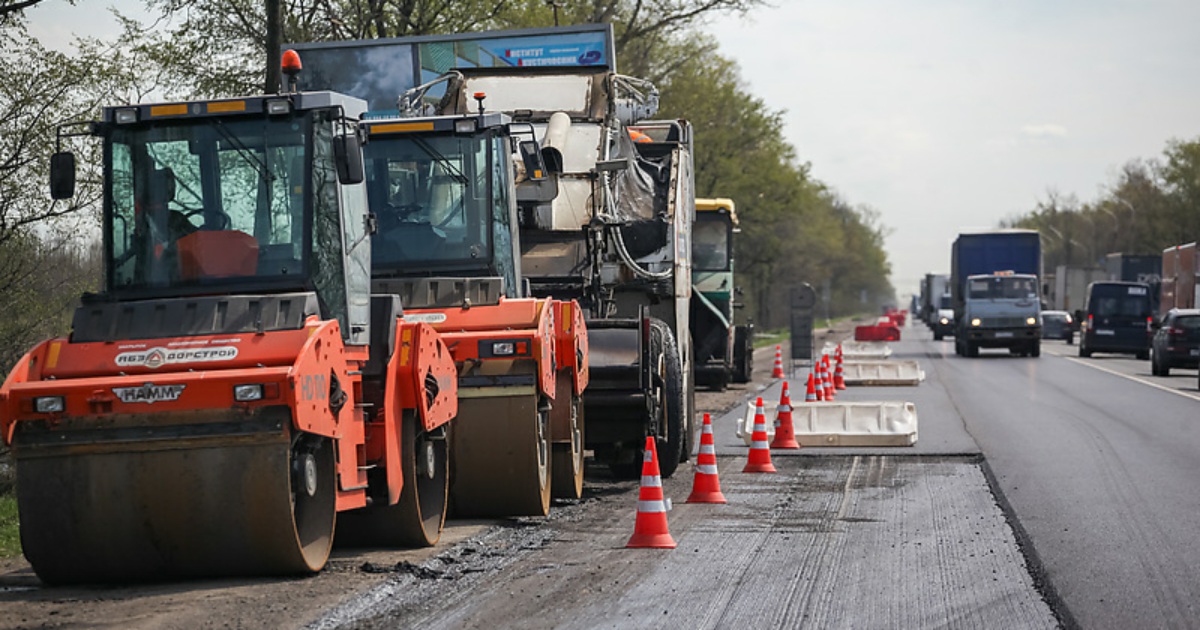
{"x": 743, "y": 354}
{"x": 669, "y": 387}
{"x": 500, "y": 457}
{"x": 417, "y": 518}
{"x": 258, "y": 503}
{"x": 566, "y": 481}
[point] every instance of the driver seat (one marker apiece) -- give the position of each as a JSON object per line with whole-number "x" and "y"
{"x": 217, "y": 254}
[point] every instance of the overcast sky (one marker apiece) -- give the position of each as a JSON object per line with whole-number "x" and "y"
{"x": 946, "y": 115}
{"x": 943, "y": 115}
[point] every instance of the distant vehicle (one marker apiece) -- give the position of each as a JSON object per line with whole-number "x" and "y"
{"x": 1058, "y": 325}
{"x": 1176, "y": 342}
{"x": 1180, "y": 268}
{"x": 995, "y": 285}
{"x": 1117, "y": 317}
{"x": 943, "y": 326}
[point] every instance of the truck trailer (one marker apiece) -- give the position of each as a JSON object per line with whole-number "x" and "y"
{"x": 1179, "y": 277}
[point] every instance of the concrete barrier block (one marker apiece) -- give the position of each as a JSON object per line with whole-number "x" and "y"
{"x": 860, "y": 350}
{"x": 866, "y": 373}
{"x": 855, "y": 423}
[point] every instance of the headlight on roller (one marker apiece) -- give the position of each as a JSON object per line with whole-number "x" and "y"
{"x": 247, "y": 393}
{"x": 49, "y": 404}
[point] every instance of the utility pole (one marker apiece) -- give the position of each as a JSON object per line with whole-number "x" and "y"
{"x": 274, "y": 44}
{"x": 554, "y": 5}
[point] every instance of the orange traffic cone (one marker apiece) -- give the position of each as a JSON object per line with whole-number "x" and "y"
{"x": 828, "y": 378}
{"x": 811, "y": 394}
{"x": 820, "y": 380}
{"x": 650, "y": 529}
{"x": 839, "y": 380}
{"x": 760, "y": 452}
{"x": 706, "y": 486}
{"x": 778, "y": 371}
{"x": 785, "y": 433}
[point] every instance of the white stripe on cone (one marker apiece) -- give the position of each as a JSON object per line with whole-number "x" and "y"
{"x": 707, "y": 469}
{"x": 651, "y": 506}
{"x": 651, "y": 481}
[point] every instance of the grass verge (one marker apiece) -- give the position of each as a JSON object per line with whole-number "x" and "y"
{"x": 10, "y": 538}
{"x": 771, "y": 337}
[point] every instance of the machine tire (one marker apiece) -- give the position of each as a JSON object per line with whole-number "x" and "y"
{"x": 1035, "y": 348}
{"x": 671, "y": 449}
{"x": 1142, "y": 355}
{"x": 1084, "y": 351}
{"x": 1155, "y": 367}
{"x": 743, "y": 354}
{"x": 970, "y": 350}
{"x": 937, "y": 336}
{"x": 417, "y": 518}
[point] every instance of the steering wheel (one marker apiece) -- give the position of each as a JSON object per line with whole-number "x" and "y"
{"x": 393, "y": 215}
{"x": 224, "y": 219}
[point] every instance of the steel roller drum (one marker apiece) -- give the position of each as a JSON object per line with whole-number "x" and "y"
{"x": 165, "y": 496}
{"x": 501, "y": 457}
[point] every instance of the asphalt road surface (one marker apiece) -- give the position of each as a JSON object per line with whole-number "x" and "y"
{"x": 1046, "y": 492}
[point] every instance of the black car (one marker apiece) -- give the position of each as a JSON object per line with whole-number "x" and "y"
{"x": 1117, "y": 317}
{"x": 1058, "y": 325}
{"x": 1176, "y": 342}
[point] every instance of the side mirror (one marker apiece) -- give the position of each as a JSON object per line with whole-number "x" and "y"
{"x": 62, "y": 175}
{"x": 347, "y": 155}
{"x": 531, "y": 156}
{"x": 540, "y": 184}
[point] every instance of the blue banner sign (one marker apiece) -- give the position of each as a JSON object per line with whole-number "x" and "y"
{"x": 380, "y": 70}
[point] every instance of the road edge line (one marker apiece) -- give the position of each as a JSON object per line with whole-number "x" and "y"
{"x": 1033, "y": 562}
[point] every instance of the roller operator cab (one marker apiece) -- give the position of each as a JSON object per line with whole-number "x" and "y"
{"x": 209, "y": 414}
{"x": 724, "y": 351}
{"x": 444, "y": 192}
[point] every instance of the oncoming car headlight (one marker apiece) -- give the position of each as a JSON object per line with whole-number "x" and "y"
{"x": 1031, "y": 320}
{"x": 976, "y": 322}
{"x": 945, "y": 321}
